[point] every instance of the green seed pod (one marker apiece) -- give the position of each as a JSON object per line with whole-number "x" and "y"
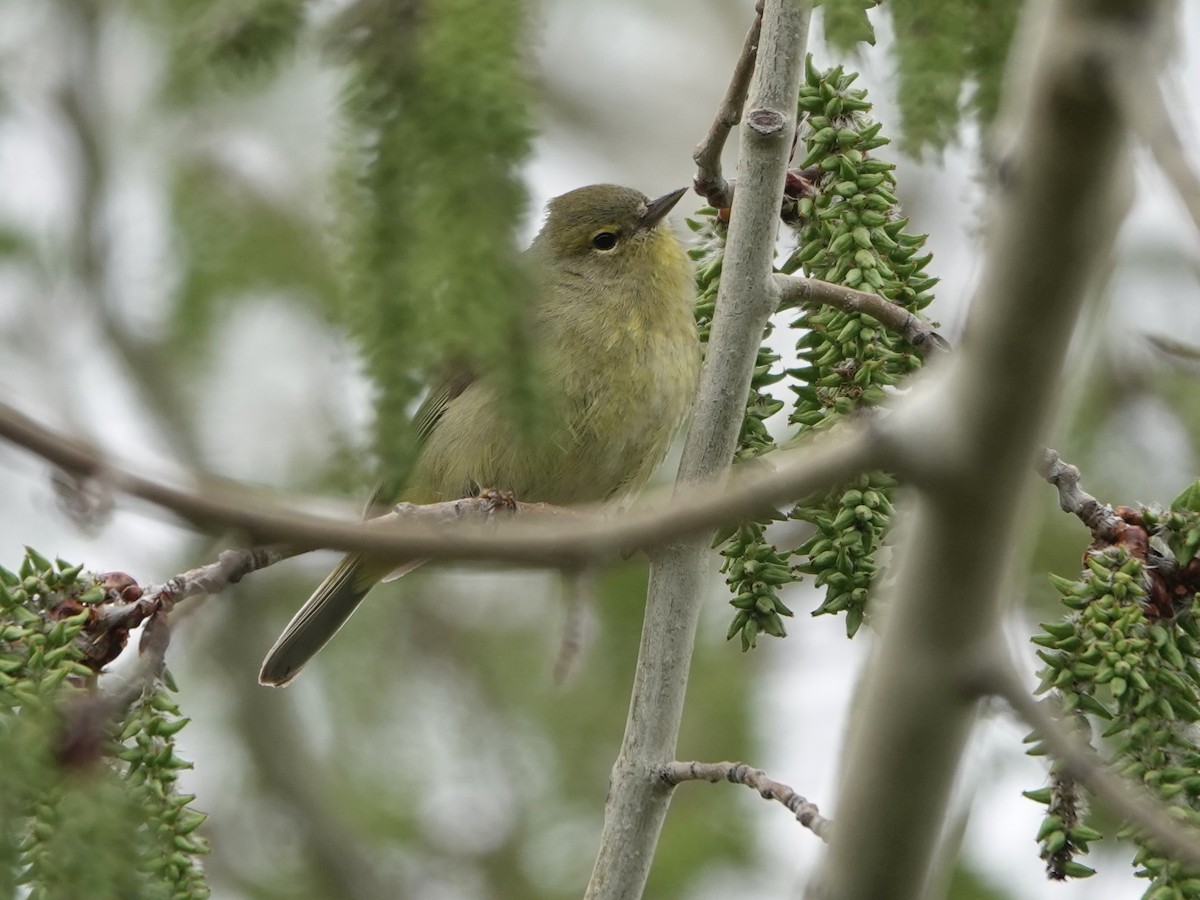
{"x": 827, "y": 135}
{"x": 842, "y": 244}
{"x": 738, "y": 623}
{"x": 1054, "y": 842}
{"x": 1073, "y": 869}
{"x": 1042, "y": 795}
{"x": 865, "y": 258}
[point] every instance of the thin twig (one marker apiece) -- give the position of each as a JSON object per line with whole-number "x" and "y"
{"x": 230, "y": 567}
{"x": 709, "y": 181}
{"x": 426, "y": 532}
{"x": 795, "y": 291}
{"x": 805, "y": 811}
{"x": 1125, "y": 798}
{"x": 1099, "y": 517}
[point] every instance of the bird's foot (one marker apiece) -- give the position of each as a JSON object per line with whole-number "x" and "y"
{"x": 497, "y": 501}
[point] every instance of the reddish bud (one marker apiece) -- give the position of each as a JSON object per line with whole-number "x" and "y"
{"x": 119, "y": 584}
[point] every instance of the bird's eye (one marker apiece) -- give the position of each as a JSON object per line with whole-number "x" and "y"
{"x": 605, "y": 240}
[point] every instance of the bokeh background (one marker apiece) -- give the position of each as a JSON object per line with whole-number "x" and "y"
{"x": 169, "y": 263}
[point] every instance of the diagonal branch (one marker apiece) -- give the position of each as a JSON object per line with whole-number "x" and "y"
{"x": 796, "y": 291}
{"x": 1049, "y": 233}
{"x": 709, "y": 182}
{"x": 230, "y": 567}
{"x": 1102, "y": 522}
{"x": 1123, "y": 797}
{"x": 806, "y": 812}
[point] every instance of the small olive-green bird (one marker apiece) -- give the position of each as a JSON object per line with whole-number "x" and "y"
{"x": 615, "y": 337}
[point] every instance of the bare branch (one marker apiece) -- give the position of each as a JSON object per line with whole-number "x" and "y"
{"x": 1123, "y": 797}
{"x": 451, "y": 530}
{"x": 1104, "y": 524}
{"x": 1048, "y": 235}
{"x": 637, "y": 803}
{"x": 796, "y": 291}
{"x": 709, "y": 183}
{"x": 806, "y": 812}
{"x": 230, "y": 567}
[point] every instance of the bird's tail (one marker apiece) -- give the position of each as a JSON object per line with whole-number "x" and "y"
{"x": 319, "y": 619}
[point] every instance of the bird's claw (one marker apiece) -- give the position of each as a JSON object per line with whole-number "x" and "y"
{"x": 498, "y": 501}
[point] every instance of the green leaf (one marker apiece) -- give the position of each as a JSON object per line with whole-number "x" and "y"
{"x": 846, "y": 23}
{"x": 1188, "y": 500}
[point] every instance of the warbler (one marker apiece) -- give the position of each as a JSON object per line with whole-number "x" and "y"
{"x": 615, "y": 337}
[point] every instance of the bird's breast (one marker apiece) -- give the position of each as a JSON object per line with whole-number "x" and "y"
{"x": 626, "y": 391}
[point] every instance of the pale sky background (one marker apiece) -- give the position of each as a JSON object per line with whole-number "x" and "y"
{"x": 626, "y": 109}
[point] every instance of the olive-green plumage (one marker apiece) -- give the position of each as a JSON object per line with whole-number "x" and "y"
{"x": 615, "y": 339}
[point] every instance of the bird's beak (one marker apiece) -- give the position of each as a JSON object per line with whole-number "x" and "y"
{"x": 657, "y": 209}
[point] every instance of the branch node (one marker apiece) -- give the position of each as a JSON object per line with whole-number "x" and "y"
{"x": 765, "y": 121}
{"x": 1102, "y": 522}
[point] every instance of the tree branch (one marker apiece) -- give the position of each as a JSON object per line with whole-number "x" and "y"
{"x": 983, "y": 411}
{"x": 709, "y": 182}
{"x": 806, "y": 813}
{"x": 230, "y": 567}
{"x": 637, "y": 798}
{"x": 451, "y": 530}
{"x": 1102, "y": 522}
{"x": 1126, "y": 799}
{"x": 796, "y": 291}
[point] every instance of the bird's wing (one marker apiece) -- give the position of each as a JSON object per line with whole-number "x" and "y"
{"x": 390, "y": 491}
{"x": 431, "y": 410}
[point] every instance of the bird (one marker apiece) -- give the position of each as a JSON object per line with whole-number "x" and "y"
{"x": 614, "y": 338}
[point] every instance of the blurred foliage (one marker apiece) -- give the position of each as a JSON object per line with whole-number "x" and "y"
{"x": 942, "y": 47}
{"x": 233, "y": 240}
{"x": 847, "y": 24}
{"x": 456, "y": 752}
{"x": 88, "y": 798}
{"x": 950, "y": 57}
{"x": 222, "y": 44}
{"x": 966, "y": 885}
{"x": 437, "y": 99}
